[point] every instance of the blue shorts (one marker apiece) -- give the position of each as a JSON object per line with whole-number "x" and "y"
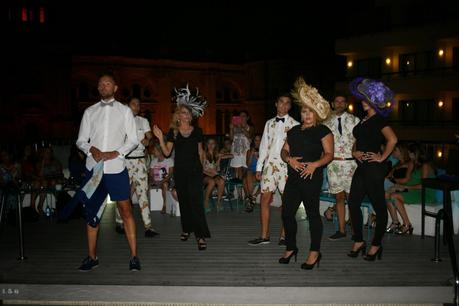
{"x": 116, "y": 185}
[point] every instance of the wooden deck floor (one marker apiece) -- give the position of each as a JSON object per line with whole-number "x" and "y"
{"x": 54, "y": 252}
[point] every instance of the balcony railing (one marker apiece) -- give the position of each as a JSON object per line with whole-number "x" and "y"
{"x": 441, "y": 72}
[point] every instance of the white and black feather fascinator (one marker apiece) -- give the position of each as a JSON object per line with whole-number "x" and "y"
{"x": 195, "y": 102}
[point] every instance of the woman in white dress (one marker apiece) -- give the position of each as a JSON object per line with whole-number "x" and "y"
{"x": 241, "y": 134}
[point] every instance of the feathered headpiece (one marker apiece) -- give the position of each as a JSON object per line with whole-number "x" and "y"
{"x": 196, "y": 103}
{"x": 376, "y": 93}
{"x": 303, "y": 94}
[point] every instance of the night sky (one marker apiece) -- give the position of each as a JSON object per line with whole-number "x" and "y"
{"x": 225, "y": 31}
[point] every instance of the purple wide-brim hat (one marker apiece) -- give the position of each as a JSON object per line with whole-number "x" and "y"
{"x": 376, "y": 93}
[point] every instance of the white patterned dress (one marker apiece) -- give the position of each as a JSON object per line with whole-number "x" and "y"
{"x": 241, "y": 144}
{"x": 340, "y": 172}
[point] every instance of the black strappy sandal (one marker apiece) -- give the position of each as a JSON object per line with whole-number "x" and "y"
{"x": 184, "y": 236}
{"x": 202, "y": 244}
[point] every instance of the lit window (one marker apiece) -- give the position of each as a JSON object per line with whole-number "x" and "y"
{"x": 407, "y": 63}
{"x": 42, "y": 15}
{"x": 24, "y": 14}
{"x": 439, "y": 153}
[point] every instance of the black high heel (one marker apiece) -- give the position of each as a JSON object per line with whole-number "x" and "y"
{"x": 286, "y": 260}
{"x": 372, "y": 257}
{"x": 405, "y": 230}
{"x": 393, "y": 228}
{"x": 306, "y": 266}
{"x": 184, "y": 236}
{"x": 202, "y": 244}
{"x": 355, "y": 253}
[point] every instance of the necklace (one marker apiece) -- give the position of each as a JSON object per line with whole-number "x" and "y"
{"x": 186, "y": 133}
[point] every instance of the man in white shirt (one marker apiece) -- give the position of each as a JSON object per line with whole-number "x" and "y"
{"x": 271, "y": 169}
{"x": 342, "y": 167}
{"x": 108, "y": 133}
{"x": 137, "y": 168}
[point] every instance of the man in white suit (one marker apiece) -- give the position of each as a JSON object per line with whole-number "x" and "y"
{"x": 341, "y": 169}
{"x": 271, "y": 169}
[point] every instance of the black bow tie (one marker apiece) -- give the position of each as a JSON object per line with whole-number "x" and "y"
{"x": 106, "y": 103}
{"x": 280, "y": 119}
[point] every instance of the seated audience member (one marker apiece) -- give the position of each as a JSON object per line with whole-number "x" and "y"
{"x": 10, "y": 175}
{"x": 77, "y": 165}
{"x": 29, "y": 165}
{"x": 161, "y": 170}
{"x": 399, "y": 174}
{"x": 212, "y": 177}
{"x": 409, "y": 192}
{"x": 49, "y": 174}
{"x": 250, "y": 178}
{"x": 225, "y": 156}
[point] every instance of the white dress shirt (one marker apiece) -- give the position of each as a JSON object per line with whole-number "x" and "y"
{"x": 273, "y": 139}
{"x": 108, "y": 126}
{"x": 142, "y": 126}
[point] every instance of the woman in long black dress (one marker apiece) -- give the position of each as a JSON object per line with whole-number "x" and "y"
{"x": 370, "y": 134}
{"x": 186, "y": 140}
{"x": 308, "y": 148}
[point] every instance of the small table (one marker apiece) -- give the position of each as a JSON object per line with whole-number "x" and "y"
{"x": 440, "y": 184}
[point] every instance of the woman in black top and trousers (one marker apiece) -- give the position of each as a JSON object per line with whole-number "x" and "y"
{"x": 187, "y": 140}
{"x": 308, "y": 148}
{"x": 370, "y": 134}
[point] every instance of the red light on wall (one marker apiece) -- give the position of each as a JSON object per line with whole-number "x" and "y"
{"x": 42, "y": 15}
{"x": 24, "y": 14}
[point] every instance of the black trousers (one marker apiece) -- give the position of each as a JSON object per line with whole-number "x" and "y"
{"x": 190, "y": 196}
{"x": 298, "y": 190}
{"x": 368, "y": 180}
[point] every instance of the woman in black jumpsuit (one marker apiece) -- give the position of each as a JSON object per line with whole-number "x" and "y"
{"x": 370, "y": 134}
{"x": 308, "y": 148}
{"x": 187, "y": 143}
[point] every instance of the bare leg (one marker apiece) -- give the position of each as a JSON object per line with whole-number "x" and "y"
{"x": 129, "y": 224}
{"x": 341, "y": 211}
{"x": 164, "y": 187}
{"x": 210, "y": 185}
{"x": 41, "y": 201}
{"x": 282, "y": 231}
{"x": 220, "y": 188}
{"x": 245, "y": 185}
{"x": 400, "y": 205}
{"x": 391, "y": 209}
{"x": 239, "y": 173}
{"x": 174, "y": 194}
{"x": 250, "y": 179}
{"x": 91, "y": 233}
{"x": 264, "y": 213}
